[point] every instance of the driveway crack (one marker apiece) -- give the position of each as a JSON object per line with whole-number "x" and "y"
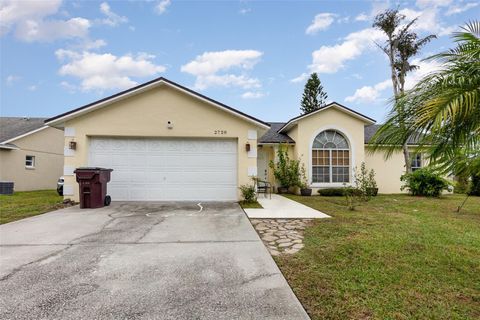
{"x": 147, "y": 230}
{"x": 260, "y": 276}
{"x": 19, "y": 268}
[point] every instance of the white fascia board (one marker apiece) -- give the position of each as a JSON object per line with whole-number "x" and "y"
{"x": 61, "y": 120}
{"x": 8, "y": 147}
{"x": 353, "y": 114}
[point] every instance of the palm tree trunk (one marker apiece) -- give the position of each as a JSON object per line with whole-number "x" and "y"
{"x": 406, "y": 153}
{"x": 393, "y": 73}
{"x": 406, "y": 156}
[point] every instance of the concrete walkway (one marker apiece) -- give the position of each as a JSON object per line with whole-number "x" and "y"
{"x": 141, "y": 261}
{"x": 281, "y": 207}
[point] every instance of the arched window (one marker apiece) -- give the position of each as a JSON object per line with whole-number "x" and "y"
{"x": 330, "y": 158}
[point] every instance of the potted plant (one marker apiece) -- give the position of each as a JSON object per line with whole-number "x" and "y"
{"x": 304, "y": 189}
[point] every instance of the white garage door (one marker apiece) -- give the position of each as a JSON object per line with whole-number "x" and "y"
{"x": 167, "y": 169}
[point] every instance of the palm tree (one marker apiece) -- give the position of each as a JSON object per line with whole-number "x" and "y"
{"x": 401, "y": 45}
{"x": 443, "y": 109}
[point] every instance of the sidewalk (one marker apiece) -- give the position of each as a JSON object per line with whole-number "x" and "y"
{"x": 281, "y": 207}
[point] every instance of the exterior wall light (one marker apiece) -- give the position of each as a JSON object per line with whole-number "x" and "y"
{"x": 72, "y": 145}
{"x": 247, "y": 146}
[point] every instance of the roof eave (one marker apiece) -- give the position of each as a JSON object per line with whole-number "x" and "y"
{"x": 355, "y": 114}
{"x": 24, "y": 135}
{"x": 283, "y": 142}
{"x": 58, "y": 121}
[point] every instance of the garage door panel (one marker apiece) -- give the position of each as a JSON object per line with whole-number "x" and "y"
{"x": 120, "y": 192}
{"x": 103, "y": 159}
{"x": 119, "y": 160}
{"x": 155, "y": 161}
{"x": 167, "y": 169}
{"x": 199, "y": 178}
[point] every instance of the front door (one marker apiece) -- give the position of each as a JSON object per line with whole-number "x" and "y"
{"x": 262, "y": 164}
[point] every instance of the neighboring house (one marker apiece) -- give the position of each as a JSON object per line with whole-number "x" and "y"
{"x": 167, "y": 142}
{"x": 31, "y": 153}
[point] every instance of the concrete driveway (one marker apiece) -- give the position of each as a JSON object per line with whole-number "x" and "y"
{"x": 141, "y": 261}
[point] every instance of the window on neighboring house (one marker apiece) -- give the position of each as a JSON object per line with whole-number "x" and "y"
{"x": 30, "y": 161}
{"x": 330, "y": 158}
{"x": 416, "y": 161}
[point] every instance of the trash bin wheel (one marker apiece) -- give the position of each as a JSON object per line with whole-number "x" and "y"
{"x": 108, "y": 200}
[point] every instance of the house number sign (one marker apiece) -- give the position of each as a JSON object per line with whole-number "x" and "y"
{"x": 220, "y": 132}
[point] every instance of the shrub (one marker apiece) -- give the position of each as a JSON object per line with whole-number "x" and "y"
{"x": 249, "y": 193}
{"x": 303, "y": 180}
{"x": 424, "y": 182}
{"x": 365, "y": 182}
{"x": 286, "y": 170}
{"x": 332, "y": 192}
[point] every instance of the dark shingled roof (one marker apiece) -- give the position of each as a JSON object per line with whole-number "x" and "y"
{"x": 11, "y": 127}
{"x": 272, "y": 135}
{"x": 371, "y": 130}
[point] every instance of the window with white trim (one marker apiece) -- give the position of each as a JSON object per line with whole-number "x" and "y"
{"x": 30, "y": 161}
{"x": 330, "y": 158}
{"x": 415, "y": 161}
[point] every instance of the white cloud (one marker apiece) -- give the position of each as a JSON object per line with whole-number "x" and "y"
{"x": 300, "y": 78}
{"x": 68, "y": 86}
{"x": 32, "y": 87}
{"x": 377, "y": 7}
{"x": 362, "y": 17}
{"x": 206, "y": 68}
{"x": 245, "y": 10}
{"x": 93, "y": 44}
{"x": 432, "y": 3}
{"x": 11, "y": 79}
{"x": 427, "y": 21}
{"x": 368, "y": 94}
{"x": 455, "y": 9}
{"x": 28, "y": 19}
{"x": 106, "y": 71}
{"x": 45, "y": 31}
{"x": 12, "y": 12}
{"x": 162, "y": 6}
{"x": 321, "y": 22}
{"x": 425, "y": 68}
{"x": 112, "y": 19}
{"x": 253, "y": 95}
{"x": 330, "y": 59}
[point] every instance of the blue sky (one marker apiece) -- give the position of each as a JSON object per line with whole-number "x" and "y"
{"x": 253, "y": 56}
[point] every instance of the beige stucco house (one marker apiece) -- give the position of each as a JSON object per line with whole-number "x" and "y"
{"x": 167, "y": 142}
{"x": 31, "y": 153}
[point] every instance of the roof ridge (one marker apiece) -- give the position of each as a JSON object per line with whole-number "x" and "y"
{"x": 159, "y": 79}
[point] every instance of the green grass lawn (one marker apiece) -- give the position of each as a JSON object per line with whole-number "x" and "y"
{"x": 250, "y": 205}
{"x": 395, "y": 257}
{"x": 28, "y": 203}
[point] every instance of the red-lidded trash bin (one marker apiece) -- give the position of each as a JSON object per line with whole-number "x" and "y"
{"x": 93, "y": 187}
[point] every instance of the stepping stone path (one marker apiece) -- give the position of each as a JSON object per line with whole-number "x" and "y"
{"x": 281, "y": 236}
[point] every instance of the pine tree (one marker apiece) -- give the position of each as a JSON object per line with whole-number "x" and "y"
{"x": 313, "y": 95}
